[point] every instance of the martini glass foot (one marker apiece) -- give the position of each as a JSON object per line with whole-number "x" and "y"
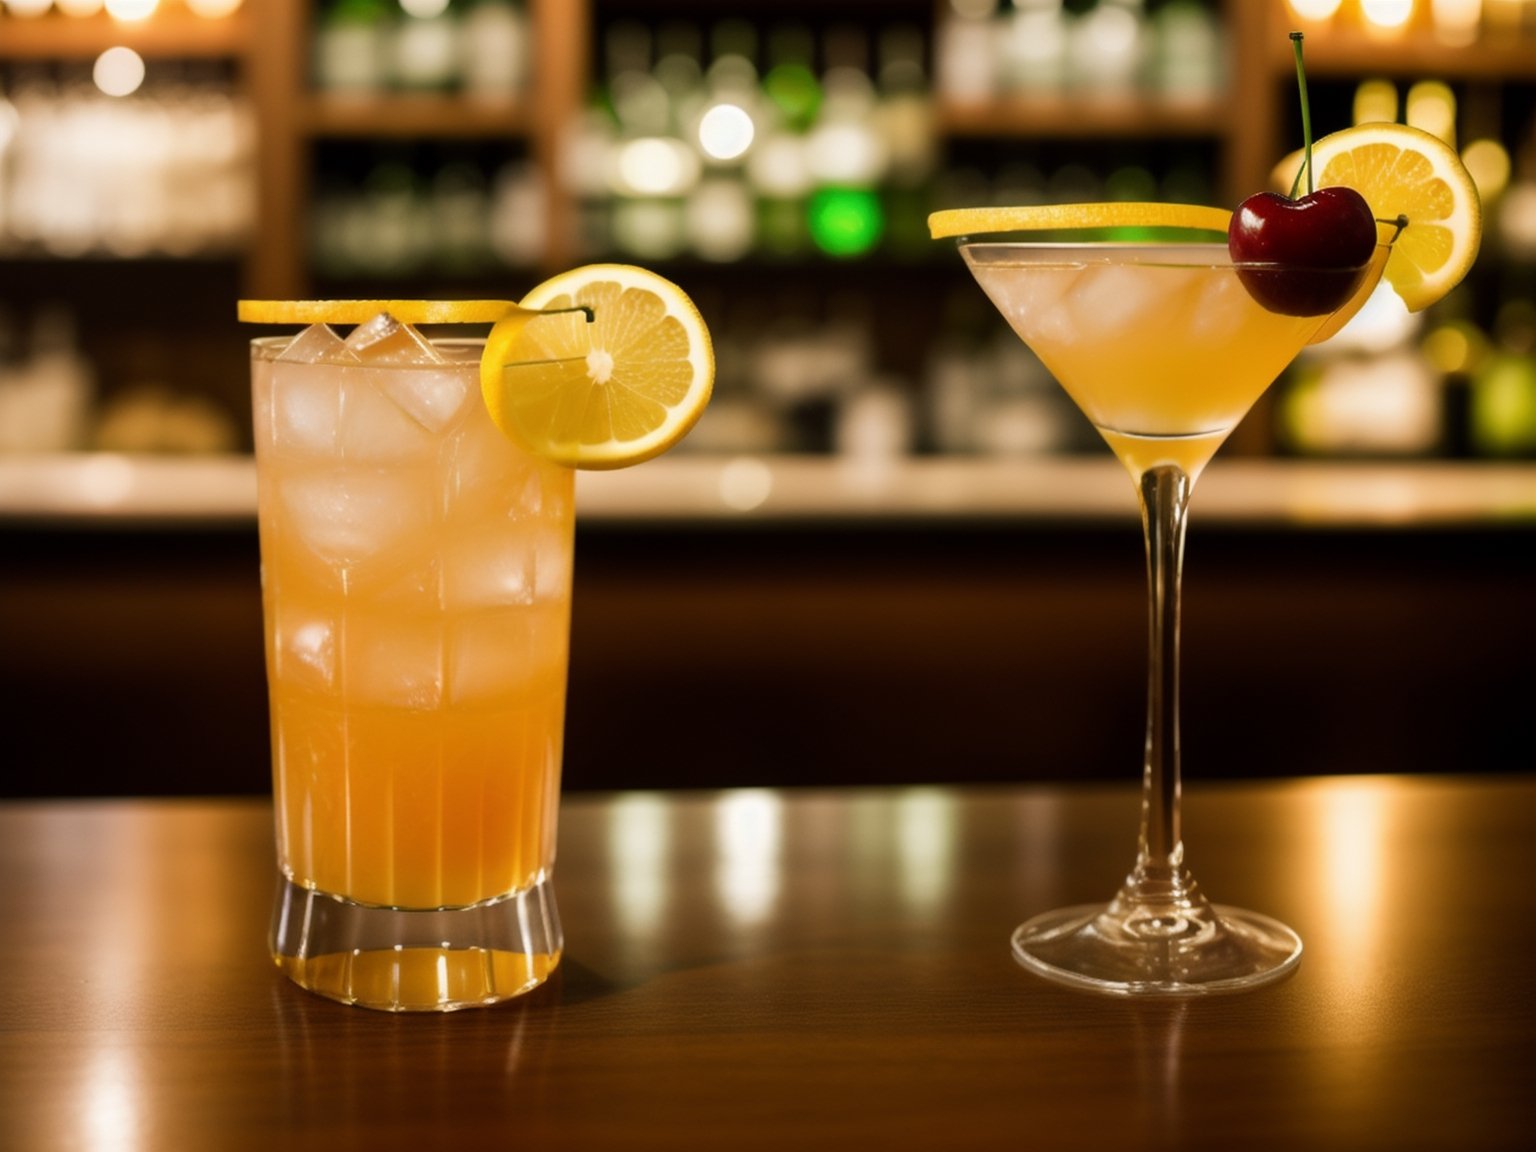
{"x": 1141, "y": 951}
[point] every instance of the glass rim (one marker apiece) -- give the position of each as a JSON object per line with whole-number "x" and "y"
{"x": 1180, "y": 254}
{"x": 268, "y": 348}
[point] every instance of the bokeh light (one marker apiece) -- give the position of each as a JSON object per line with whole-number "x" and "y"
{"x": 1386, "y": 14}
{"x": 1431, "y": 105}
{"x": 1315, "y": 9}
{"x": 1456, "y": 22}
{"x": 1376, "y": 102}
{"x": 118, "y": 71}
{"x": 132, "y": 9}
{"x": 846, "y": 221}
{"x": 656, "y": 166}
{"x": 1488, "y": 163}
{"x": 726, "y": 132}
{"x": 213, "y": 9}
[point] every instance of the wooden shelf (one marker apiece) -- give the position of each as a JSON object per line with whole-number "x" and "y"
{"x": 397, "y": 116}
{"x": 171, "y": 34}
{"x": 1352, "y": 53}
{"x": 1075, "y": 117}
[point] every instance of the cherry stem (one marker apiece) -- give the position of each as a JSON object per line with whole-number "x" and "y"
{"x": 1306, "y": 116}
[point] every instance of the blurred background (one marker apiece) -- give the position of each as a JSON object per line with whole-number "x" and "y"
{"x": 890, "y": 552}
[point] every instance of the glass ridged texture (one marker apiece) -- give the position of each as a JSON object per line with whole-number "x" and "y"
{"x": 416, "y": 574}
{"x": 1164, "y": 350}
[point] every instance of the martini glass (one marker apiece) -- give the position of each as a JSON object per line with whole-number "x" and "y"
{"x": 1164, "y": 348}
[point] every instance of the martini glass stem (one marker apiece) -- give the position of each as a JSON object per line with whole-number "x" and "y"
{"x": 1164, "y": 492}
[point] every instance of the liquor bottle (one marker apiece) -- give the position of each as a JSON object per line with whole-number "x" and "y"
{"x": 966, "y": 55}
{"x": 1106, "y": 48}
{"x": 1186, "y": 51}
{"x": 494, "y": 40}
{"x": 1036, "y": 39}
{"x": 654, "y": 169}
{"x": 519, "y": 207}
{"x": 425, "y": 47}
{"x": 45, "y": 398}
{"x": 846, "y": 157}
{"x": 458, "y": 206}
{"x": 1502, "y": 415}
{"x": 904, "y": 118}
{"x": 721, "y": 123}
{"x": 777, "y": 167}
{"x": 351, "y": 46}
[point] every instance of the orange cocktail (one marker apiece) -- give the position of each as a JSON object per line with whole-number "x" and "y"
{"x": 416, "y": 516}
{"x": 1165, "y": 344}
{"x": 416, "y": 570}
{"x": 416, "y": 574}
{"x": 1160, "y": 345}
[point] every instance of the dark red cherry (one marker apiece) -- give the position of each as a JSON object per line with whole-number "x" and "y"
{"x": 1320, "y": 243}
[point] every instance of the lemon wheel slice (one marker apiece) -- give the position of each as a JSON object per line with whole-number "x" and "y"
{"x": 1403, "y": 171}
{"x": 1062, "y": 217}
{"x": 360, "y": 311}
{"x": 1386, "y": 235}
{"x": 608, "y": 393}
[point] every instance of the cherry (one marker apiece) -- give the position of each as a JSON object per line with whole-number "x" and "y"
{"x": 1319, "y": 243}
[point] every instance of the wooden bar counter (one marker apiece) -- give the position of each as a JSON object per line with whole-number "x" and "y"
{"x": 797, "y": 969}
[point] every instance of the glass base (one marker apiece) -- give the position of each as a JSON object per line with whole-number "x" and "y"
{"x": 1136, "y": 951}
{"x": 416, "y": 960}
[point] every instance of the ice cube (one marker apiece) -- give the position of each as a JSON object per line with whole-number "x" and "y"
{"x": 1033, "y": 302}
{"x": 490, "y": 569}
{"x": 501, "y": 654}
{"x": 375, "y": 429}
{"x": 1109, "y": 300}
{"x": 306, "y": 408}
{"x": 318, "y": 344}
{"x": 396, "y": 660}
{"x": 304, "y": 647}
{"x": 432, "y": 399}
{"x": 353, "y": 517}
{"x": 483, "y": 471}
{"x": 1049, "y": 327}
{"x": 1220, "y": 311}
{"x": 409, "y": 582}
{"x": 552, "y": 566}
{"x": 384, "y": 340}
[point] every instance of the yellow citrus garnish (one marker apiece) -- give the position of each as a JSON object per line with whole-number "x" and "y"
{"x": 359, "y": 311}
{"x": 605, "y": 394}
{"x": 1062, "y": 217}
{"x": 1386, "y": 234}
{"x": 1403, "y": 171}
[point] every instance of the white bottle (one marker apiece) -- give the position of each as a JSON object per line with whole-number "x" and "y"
{"x": 426, "y": 46}
{"x": 494, "y": 37}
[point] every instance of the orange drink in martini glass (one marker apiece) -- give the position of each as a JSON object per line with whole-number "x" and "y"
{"x": 1165, "y": 344}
